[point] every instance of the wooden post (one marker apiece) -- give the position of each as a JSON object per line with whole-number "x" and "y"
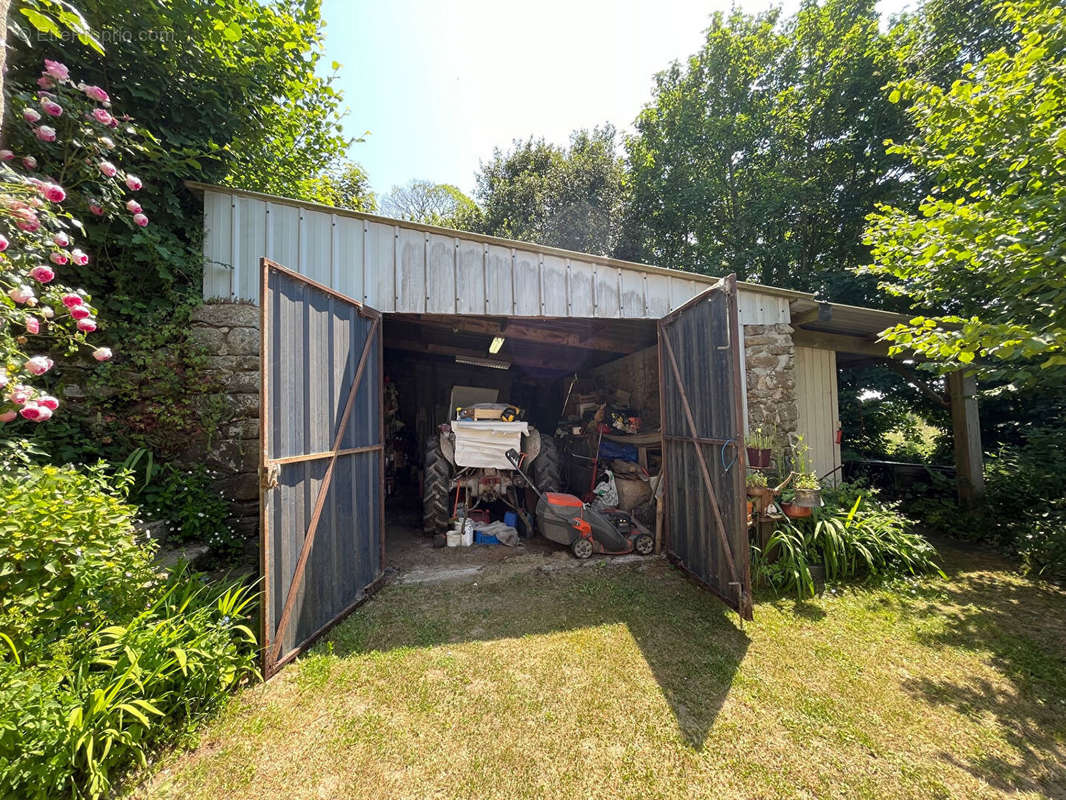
{"x": 965, "y": 424}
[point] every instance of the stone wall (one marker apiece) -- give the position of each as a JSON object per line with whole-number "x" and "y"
{"x": 769, "y": 358}
{"x": 229, "y": 332}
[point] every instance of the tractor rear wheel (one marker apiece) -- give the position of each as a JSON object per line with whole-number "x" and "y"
{"x": 436, "y": 489}
{"x": 547, "y": 469}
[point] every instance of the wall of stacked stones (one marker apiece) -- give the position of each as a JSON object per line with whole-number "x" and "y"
{"x": 770, "y": 361}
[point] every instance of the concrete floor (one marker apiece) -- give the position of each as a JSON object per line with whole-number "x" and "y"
{"x": 411, "y": 557}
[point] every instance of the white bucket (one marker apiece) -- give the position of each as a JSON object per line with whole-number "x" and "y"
{"x": 454, "y": 538}
{"x": 468, "y": 536}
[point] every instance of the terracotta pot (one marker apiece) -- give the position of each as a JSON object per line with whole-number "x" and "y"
{"x": 751, "y": 507}
{"x": 809, "y": 498}
{"x": 758, "y": 458}
{"x": 794, "y": 511}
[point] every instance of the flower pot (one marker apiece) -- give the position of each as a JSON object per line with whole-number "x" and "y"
{"x": 751, "y": 507}
{"x": 762, "y": 496}
{"x": 758, "y": 458}
{"x": 809, "y": 498}
{"x": 794, "y": 511}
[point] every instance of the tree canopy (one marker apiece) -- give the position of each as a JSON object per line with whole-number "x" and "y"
{"x": 985, "y": 251}
{"x": 431, "y": 203}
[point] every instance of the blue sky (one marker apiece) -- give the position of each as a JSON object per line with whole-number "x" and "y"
{"x": 440, "y": 84}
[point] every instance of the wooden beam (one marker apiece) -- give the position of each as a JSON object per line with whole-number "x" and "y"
{"x": 840, "y": 342}
{"x": 966, "y": 429}
{"x": 803, "y": 317}
{"x": 439, "y": 349}
{"x": 524, "y": 331}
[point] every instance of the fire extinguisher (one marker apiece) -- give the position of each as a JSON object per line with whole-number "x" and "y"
{"x": 839, "y": 436}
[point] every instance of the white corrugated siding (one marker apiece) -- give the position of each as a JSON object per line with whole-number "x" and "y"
{"x": 816, "y": 398}
{"x": 396, "y": 267}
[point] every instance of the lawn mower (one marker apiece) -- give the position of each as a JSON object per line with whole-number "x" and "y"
{"x": 563, "y": 518}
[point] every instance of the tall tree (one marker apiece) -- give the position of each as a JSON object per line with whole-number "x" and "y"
{"x": 762, "y": 153}
{"x": 570, "y": 197}
{"x": 987, "y": 247}
{"x": 431, "y": 203}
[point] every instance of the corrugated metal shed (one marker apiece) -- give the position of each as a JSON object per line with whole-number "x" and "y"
{"x": 406, "y": 267}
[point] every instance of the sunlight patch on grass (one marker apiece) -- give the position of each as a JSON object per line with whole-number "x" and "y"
{"x": 632, "y": 682}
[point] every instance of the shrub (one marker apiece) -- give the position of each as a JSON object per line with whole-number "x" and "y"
{"x": 102, "y": 656}
{"x": 867, "y": 539}
{"x": 69, "y": 555}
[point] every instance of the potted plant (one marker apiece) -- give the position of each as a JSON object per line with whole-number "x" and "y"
{"x": 805, "y": 483}
{"x": 760, "y": 445}
{"x": 758, "y": 489}
{"x": 807, "y": 490}
{"x": 794, "y": 510}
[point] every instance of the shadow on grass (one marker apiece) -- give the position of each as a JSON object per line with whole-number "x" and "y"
{"x": 1020, "y": 628}
{"x": 687, "y": 636}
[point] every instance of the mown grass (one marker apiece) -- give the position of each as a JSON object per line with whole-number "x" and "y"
{"x": 631, "y": 682}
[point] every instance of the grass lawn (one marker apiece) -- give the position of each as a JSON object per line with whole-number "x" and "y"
{"x": 628, "y": 681}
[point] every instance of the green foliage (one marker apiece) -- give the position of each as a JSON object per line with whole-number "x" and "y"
{"x": 562, "y": 197}
{"x": 102, "y": 656}
{"x": 755, "y": 479}
{"x": 761, "y": 439}
{"x": 52, "y": 17}
{"x": 432, "y": 204}
{"x": 761, "y": 154}
{"x": 184, "y": 497}
{"x": 867, "y": 538}
{"x": 985, "y": 247}
{"x": 69, "y": 556}
{"x": 1023, "y": 511}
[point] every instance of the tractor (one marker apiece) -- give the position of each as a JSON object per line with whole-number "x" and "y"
{"x": 460, "y": 466}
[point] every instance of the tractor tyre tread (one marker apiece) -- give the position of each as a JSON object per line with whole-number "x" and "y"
{"x": 436, "y": 480}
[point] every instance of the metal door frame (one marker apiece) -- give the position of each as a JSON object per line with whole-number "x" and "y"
{"x": 270, "y": 642}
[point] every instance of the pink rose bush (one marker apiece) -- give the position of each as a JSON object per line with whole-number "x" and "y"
{"x": 70, "y": 130}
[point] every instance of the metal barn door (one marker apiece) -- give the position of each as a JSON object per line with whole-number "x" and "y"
{"x": 322, "y": 472}
{"x": 700, "y": 384}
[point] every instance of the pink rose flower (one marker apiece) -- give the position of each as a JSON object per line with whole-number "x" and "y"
{"x": 134, "y": 183}
{"x": 60, "y": 239}
{"x": 80, "y": 312}
{"x": 21, "y": 294}
{"x": 42, "y": 273}
{"x": 45, "y": 133}
{"x": 58, "y": 257}
{"x": 6, "y": 155}
{"x": 47, "y": 312}
{"x": 38, "y": 365}
{"x": 20, "y": 394}
{"x": 54, "y": 192}
{"x": 47, "y": 401}
{"x": 78, "y": 257}
{"x": 95, "y": 93}
{"x": 140, "y": 219}
{"x": 36, "y": 413}
{"x": 71, "y": 300}
{"x": 33, "y": 325}
{"x": 29, "y": 162}
{"x": 30, "y": 224}
{"x": 102, "y": 354}
{"x": 52, "y": 108}
{"x": 45, "y": 82}
{"x": 133, "y": 206}
{"x": 3, "y": 243}
{"x": 31, "y": 115}
{"x": 109, "y": 169}
{"x": 56, "y": 69}
{"x": 96, "y": 209}
{"x": 7, "y": 416}
{"x": 88, "y": 325}
{"x": 101, "y": 116}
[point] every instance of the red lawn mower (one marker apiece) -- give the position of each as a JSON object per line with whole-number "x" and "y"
{"x": 563, "y": 518}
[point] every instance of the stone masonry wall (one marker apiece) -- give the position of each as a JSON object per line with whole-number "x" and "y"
{"x": 769, "y": 358}
{"x": 230, "y": 334}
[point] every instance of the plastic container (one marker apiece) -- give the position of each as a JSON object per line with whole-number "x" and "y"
{"x": 467, "y": 537}
{"x": 455, "y": 539}
{"x": 484, "y": 538}
{"x": 510, "y": 518}
{"x": 480, "y": 516}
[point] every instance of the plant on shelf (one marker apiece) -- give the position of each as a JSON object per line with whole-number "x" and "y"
{"x": 804, "y": 481}
{"x": 759, "y": 489}
{"x": 756, "y": 480}
{"x": 760, "y": 444}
